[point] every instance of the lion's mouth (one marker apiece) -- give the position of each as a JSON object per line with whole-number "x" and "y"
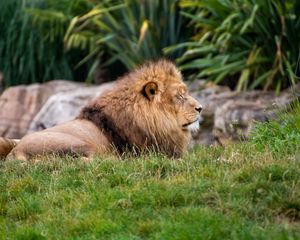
{"x": 192, "y": 126}
{"x": 190, "y": 123}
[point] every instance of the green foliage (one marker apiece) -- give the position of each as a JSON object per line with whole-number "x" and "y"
{"x": 26, "y": 55}
{"x": 282, "y": 135}
{"x": 246, "y": 44}
{"x": 127, "y": 32}
{"x": 51, "y": 17}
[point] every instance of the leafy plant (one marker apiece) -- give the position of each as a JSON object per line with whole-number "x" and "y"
{"x": 247, "y": 44}
{"x": 126, "y": 32}
{"x": 26, "y": 55}
{"x": 52, "y": 17}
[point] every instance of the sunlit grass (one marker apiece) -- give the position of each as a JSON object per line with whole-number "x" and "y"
{"x": 282, "y": 135}
{"x": 232, "y": 193}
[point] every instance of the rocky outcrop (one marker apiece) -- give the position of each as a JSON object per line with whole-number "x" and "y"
{"x": 19, "y": 105}
{"x": 229, "y": 116}
{"x": 65, "y": 106}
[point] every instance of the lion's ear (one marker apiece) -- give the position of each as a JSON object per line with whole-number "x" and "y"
{"x": 150, "y": 90}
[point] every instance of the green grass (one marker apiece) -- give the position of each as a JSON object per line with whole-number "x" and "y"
{"x": 244, "y": 191}
{"x": 212, "y": 193}
{"x": 281, "y": 136}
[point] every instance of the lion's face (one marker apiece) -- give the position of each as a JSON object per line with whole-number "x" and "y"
{"x": 186, "y": 107}
{"x": 171, "y": 100}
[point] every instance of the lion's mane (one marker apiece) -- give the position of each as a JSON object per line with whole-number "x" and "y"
{"x": 130, "y": 120}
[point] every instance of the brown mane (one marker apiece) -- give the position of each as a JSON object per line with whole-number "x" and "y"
{"x": 128, "y": 119}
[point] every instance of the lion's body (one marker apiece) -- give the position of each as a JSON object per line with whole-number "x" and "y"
{"x": 148, "y": 109}
{"x": 76, "y": 137}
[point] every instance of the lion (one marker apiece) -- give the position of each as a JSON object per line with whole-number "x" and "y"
{"x": 149, "y": 108}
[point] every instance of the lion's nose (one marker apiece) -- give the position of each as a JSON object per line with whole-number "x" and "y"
{"x": 198, "y": 109}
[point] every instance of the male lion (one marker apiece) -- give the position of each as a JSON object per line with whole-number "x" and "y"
{"x": 149, "y": 108}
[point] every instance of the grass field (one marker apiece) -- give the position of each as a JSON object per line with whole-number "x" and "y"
{"x": 244, "y": 191}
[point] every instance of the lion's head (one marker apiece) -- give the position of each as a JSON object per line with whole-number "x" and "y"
{"x": 149, "y": 108}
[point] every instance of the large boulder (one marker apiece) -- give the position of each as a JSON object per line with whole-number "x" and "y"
{"x": 208, "y": 97}
{"x": 229, "y": 115}
{"x": 65, "y": 106}
{"x": 19, "y": 105}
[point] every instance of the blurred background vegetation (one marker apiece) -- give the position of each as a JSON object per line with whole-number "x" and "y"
{"x": 245, "y": 44}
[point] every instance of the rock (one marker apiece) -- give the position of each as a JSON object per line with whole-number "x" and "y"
{"x": 197, "y": 85}
{"x": 234, "y": 119}
{"x": 209, "y": 99}
{"x": 230, "y": 116}
{"x": 19, "y": 105}
{"x": 65, "y": 106}
{"x": 227, "y": 115}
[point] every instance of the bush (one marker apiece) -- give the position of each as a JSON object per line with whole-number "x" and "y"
{"x": 127, "y": 32}
{"x": 26, "y": 55}
{"x": 245, "y": 44}
{"x": 115, "y": 34}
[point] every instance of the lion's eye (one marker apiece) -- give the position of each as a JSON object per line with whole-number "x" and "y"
{"x": 181, "y": 97}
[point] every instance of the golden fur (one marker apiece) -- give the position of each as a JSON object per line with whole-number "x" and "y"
{"x": 148, "y": 109}
{"x": 6, "y": 145}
